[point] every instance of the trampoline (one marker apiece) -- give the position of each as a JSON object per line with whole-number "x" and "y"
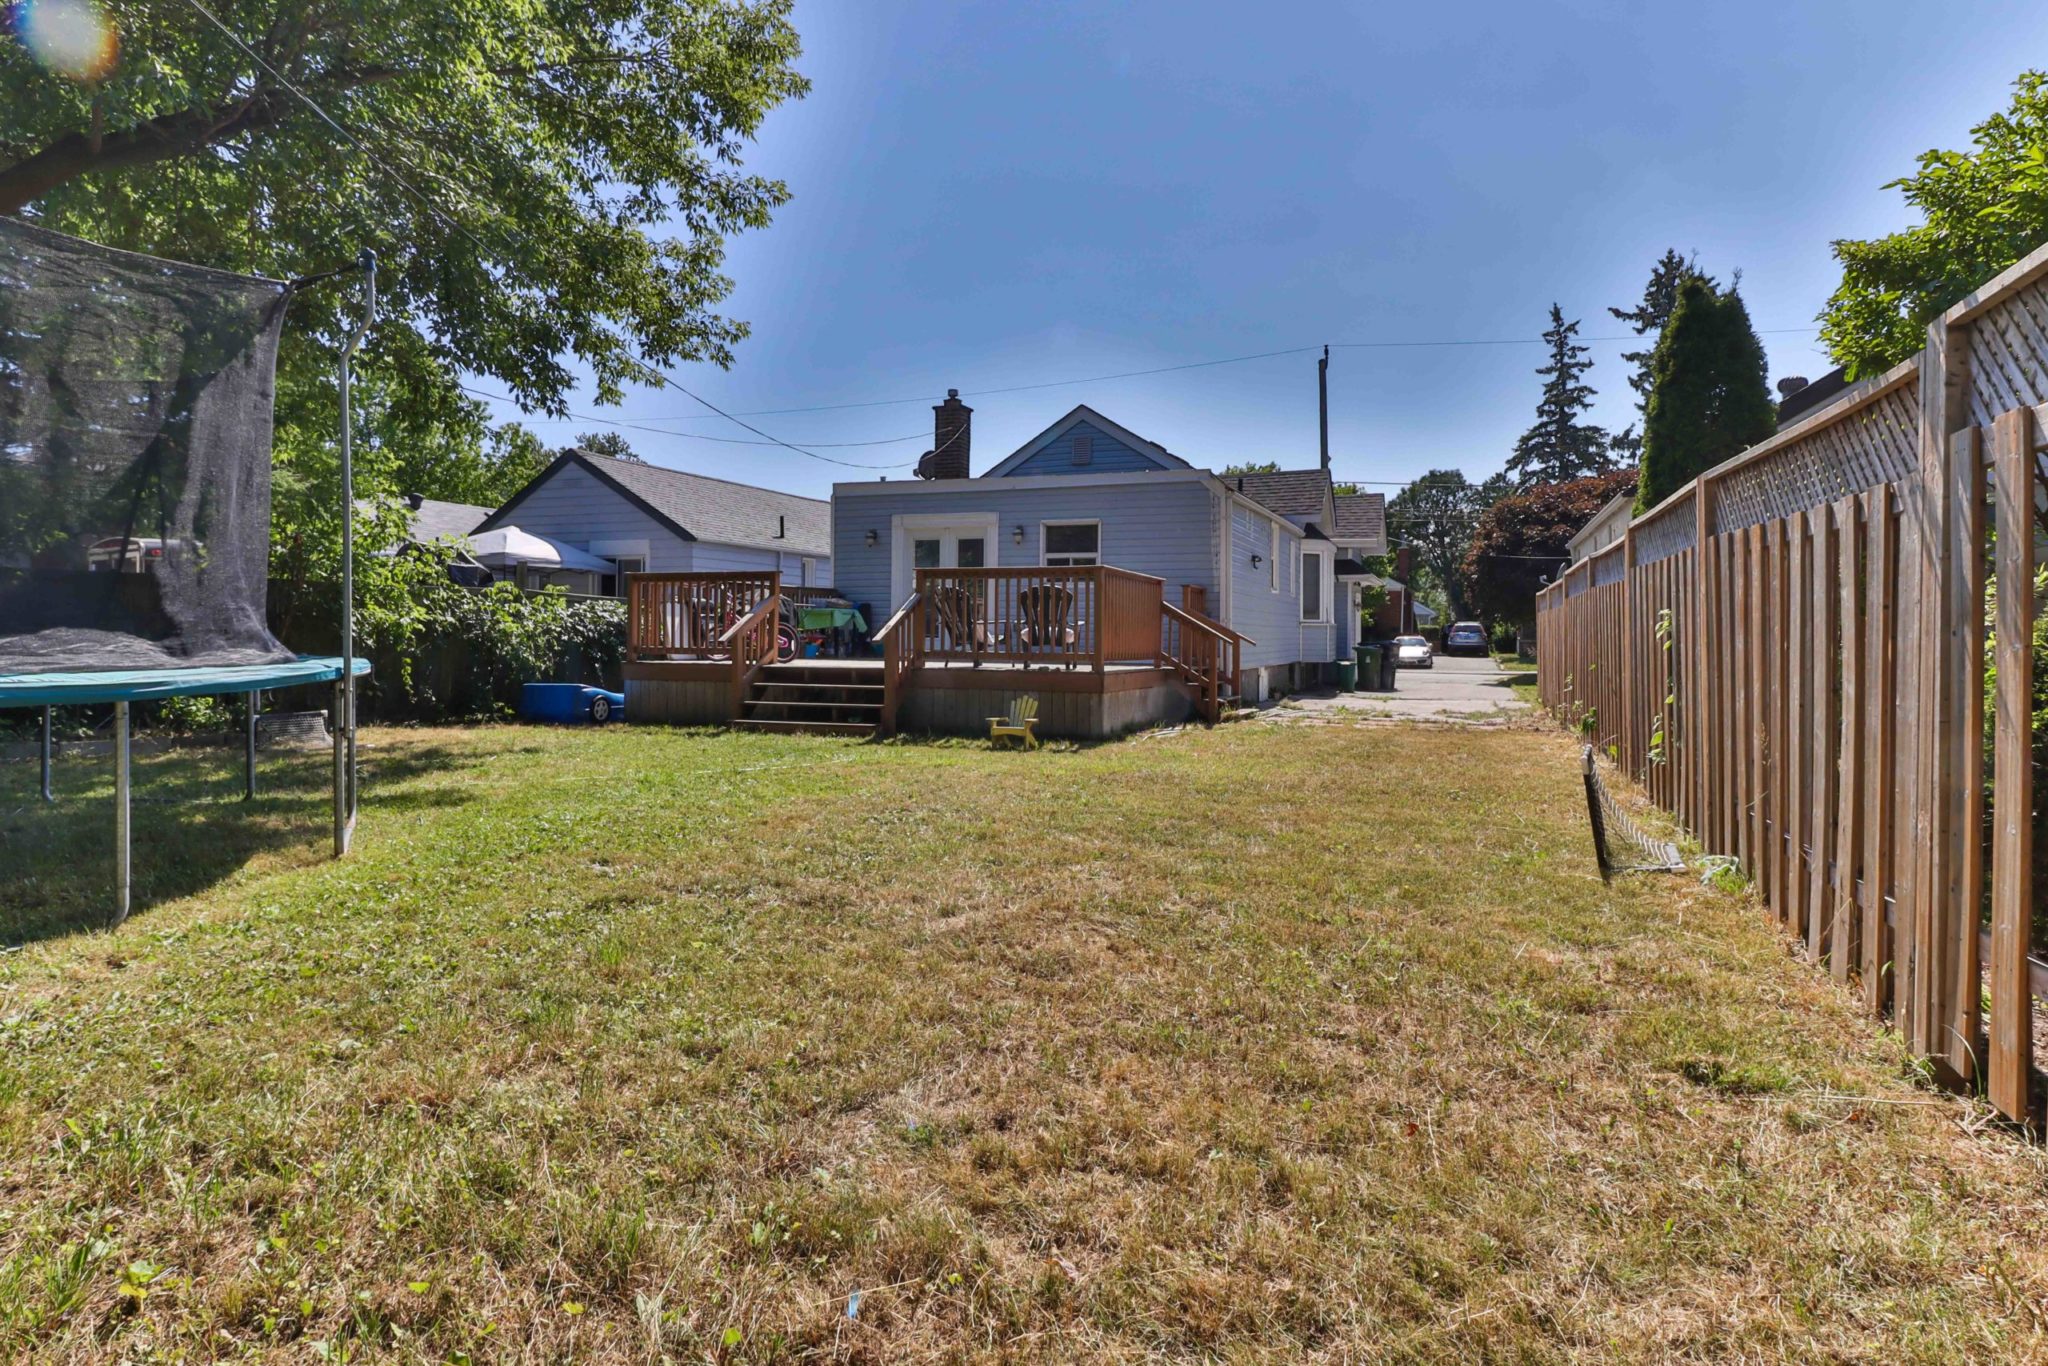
{"x": 135, "y": 428}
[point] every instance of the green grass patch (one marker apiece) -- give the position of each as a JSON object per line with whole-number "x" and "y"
{"x": 1253, "y": 1043}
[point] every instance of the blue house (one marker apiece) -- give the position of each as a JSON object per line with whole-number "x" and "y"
{"x": 1275, "y": 558}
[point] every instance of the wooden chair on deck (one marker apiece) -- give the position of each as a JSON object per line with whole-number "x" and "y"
{"x": 1018, "y": 725}
{"x": 1045, "y": 619}
{"x": 960, "y": 620}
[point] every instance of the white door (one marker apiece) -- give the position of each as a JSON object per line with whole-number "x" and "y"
{"x": 931, "y": 544}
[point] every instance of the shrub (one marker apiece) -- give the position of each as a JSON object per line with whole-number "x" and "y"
{"x": 439, "y": 650}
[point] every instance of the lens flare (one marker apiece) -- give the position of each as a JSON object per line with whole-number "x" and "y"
{"x": 73, "y": 38}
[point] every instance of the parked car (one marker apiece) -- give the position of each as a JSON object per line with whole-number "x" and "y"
{"x": 1413, "y": 652}
{"x": 1465, "y": 638}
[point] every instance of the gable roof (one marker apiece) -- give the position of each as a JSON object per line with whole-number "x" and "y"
{"x": 1081, "y": 412}
{"x": 1363, "y": 517}
{"x": 435, "y": 520}
{"x": 697, "y": 507}
{"x": 1291, "y": 493}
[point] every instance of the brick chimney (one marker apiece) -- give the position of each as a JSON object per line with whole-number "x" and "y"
{"x": 952, "y": 438}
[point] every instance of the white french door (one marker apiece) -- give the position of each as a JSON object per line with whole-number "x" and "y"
{"x": 940, "y": 542}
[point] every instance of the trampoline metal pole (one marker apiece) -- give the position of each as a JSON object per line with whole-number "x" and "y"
{"x": 251, "y": 701}
{"x": 345, "y": 687}
{"x": 49, "y": 723}
{"x": 122, "y": 832}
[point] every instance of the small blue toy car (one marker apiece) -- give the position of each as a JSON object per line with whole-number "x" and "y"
{"x": 569, "y": 703}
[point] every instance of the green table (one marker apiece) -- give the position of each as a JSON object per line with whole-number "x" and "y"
{"x": 830, "y": 619}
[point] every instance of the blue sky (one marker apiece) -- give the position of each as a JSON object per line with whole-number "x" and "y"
{"x": 989, "y": 196}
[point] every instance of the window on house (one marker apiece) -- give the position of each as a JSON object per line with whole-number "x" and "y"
{"x": 1069, "y": 543}
{"x": 1084, "y": 449}
{"x": 1273, "y": 556}
{"x": 1312, "y": 585}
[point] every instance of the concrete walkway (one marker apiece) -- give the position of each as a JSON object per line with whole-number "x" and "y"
{"x": 1459, "y": 689}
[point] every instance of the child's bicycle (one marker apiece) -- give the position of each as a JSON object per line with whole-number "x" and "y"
{"x": 785, "y": 631}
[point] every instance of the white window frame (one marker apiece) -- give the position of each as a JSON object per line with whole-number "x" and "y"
{"x": 1272, "y": 555}
{"x": 1045, "y": 556}
{"x": 1322, "y": 580}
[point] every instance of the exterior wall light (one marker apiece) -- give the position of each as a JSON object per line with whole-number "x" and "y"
{"x": 1257, "y": 560}
{"x": 871, "y": 538}
{"x": 1017, "y": 536}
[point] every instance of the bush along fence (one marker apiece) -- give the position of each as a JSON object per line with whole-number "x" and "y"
{"x": 1791, "y": 653}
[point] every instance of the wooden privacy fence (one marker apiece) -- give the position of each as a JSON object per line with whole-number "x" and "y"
{"x": 1790, "y": 654}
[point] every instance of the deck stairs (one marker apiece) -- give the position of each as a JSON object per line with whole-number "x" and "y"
{"x": 815, "y": 696}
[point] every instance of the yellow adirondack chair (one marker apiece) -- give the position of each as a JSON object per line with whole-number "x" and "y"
{"x": 1017, "y": 725}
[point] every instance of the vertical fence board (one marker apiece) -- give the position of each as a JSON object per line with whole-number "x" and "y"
{"x": 1843, "y": 923}
{"x": 2010, "y": 1054}
{"x": 1798, "y": 645}
{"x": 1880, "y": 593}
{"x": 1820, "y": 722}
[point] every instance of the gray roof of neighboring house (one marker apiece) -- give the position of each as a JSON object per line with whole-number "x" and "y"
{"x": 700, "y": 508}
{"x": 1291, "y": 493}
{"x": 434, "y": 520}
{"x": 1362, "y": 517}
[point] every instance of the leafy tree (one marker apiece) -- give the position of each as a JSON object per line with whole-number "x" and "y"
{"x": 583, "y": 163}
{"x": 1981, "y": 210}
{"x": 1519, "y": 544}
{"x": 613, "y": 444}
{"x": 1711, "y": 398}
{"x": 1437, "y": 515}
{"x": 1560, "y": 446}
{"x": 1253, "y": 467}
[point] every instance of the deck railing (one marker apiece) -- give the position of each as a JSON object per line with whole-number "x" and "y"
{"x": 687, "y": 616}
{"x": 902, "y": 651}
{"x": 1088, "y": 615}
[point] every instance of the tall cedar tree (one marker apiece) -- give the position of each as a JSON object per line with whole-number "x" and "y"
{"x": 1981, "y": 211}
{"x": 1660, "y": 296}
{"x": 1520, "y": 543}
{"x": 1710, "y": 399}
{"x": 1559, "y": 446}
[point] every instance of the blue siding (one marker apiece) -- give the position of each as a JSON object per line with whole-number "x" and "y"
{"x": 1272, "y": 618}
{"x": 1109, "y": 455}
{"x": 1163, "y": 529}
{"x": 576, "y": 508}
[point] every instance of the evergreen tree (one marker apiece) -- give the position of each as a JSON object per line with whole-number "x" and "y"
{"x": 1710, "y": 398}
{"x": 1559, "y": 446}
{"x": 1660, "y": 296}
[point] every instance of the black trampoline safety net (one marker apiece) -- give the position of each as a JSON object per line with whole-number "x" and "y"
{"x": 135, "y": 429}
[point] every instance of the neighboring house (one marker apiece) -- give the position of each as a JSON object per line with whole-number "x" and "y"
{"x": 430, "y": 521}
{"x": 637, "y": 518}
{"x": 1609, "y": 525}
{"x": 1258, "y": 553}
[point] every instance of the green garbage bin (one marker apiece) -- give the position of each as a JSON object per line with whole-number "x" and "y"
{"x": 1368, "y": 666}
{"x": 1347, "y": 675}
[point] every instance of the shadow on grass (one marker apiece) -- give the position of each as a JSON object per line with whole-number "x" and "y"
{"x": 191, "y": 827}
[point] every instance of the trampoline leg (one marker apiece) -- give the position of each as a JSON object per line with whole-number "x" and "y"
{"x": 252, "y": 700}
{"x": 344, "y": 752}
{"x": 48, "y": 724}
{"x": 122, "y": 832}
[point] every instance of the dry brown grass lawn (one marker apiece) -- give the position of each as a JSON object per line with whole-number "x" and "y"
{"x": 1257, "y": 1044}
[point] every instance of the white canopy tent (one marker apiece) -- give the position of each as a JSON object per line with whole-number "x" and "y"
{"x": 538, "y": 561}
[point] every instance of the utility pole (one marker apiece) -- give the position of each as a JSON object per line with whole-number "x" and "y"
{"x": 1323, "y": 402}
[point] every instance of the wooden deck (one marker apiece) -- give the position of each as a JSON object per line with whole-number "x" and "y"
{"x": 1099, "y": 647}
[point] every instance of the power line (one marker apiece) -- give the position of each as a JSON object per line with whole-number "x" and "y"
{"x": 570, "y": 415}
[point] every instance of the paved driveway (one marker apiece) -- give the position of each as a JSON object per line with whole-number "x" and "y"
{"x": 1459, "y": 688}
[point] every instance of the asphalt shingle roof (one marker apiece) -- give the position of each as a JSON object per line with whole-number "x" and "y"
{"x": 1362, "y": 517}
{"x": 1291, "y": 493}
{"x": 435, "y": 520}
{"x": 719, "y": 510}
